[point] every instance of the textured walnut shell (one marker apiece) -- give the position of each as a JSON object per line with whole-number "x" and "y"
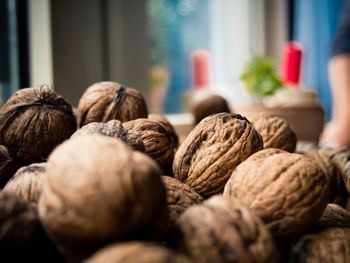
{"x": 213, "y": 149}
{"x": 22, "y": 237}
{"x": 167, "y": 125}
{"x": 180, "y": 196}
{"x": 8, "y": 165}
{"x": 276, "y": 132}
{"x": 334, "y": 215}
{"x": 96, "y": 191}
{"x": 34, "y": 121}
{"x": 140, "y": 252}
{"x": 105, "y": 101}
{"x": 288, "y": 191}
{"x": 337, "y": 191}
{"x": 26, "y": 183}
{"x": 222, "y": 229}
{"x": 331, "y": 245}
{"x": 113, "y": 128}
{"x": 158, "y": 143}
{"x": 204, "y": 103}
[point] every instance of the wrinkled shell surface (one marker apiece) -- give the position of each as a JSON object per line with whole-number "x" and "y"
{"x": 105, "y": 101}
{"x": 276, "y": 132}
{"x": 8, "y": 166}
{"x": 97, "y": 190}
{"x": 331, "y": 245}
{"x": 222, "y": 229}
{"x": 287, "y": 191}
{"x": 180, "y": 196}
{"x": 158, "y": 143}
{"x": 34, "y": 121}
{"x": 167, "y": 125}
{"x": 213, "y": 149}
{"x": 113, "y": 128}
{"x": 334, "y": 215}
{"x": 26, "y": 183}
{"x": 132, "y": 252}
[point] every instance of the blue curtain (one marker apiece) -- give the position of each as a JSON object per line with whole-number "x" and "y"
{"x": 314, "y": 26}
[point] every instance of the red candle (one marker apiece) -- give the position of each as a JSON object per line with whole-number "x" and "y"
{"x": 200, "y": 68}
{"x": 291, "y": 63}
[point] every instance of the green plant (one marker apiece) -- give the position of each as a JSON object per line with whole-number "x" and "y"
{"x": 259, "y": 76}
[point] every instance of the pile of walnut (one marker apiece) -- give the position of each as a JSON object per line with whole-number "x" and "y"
{"x": 121, "y": 188}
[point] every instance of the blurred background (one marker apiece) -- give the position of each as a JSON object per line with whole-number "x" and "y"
{"x": 147, "y": 44}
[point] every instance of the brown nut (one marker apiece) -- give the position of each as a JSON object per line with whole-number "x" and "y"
{"x": 288, "y": 191}
{"x": 105, "y": 101}
{"x": 180, "y": 196}
{"x": 213, "y": 149}
{"x": 222, "y": 229}
{"x": 8, "y": 165}
{"x": 96, "y": 191}
{"x": 26, "y": 183}
{"x": 334, "y": 215}
{"x": 158, "y": 143}
{"x": 276, "y": 132}
{"x": 34, "y": 121}
{"x": 136, "y": 251}
{"x": 113, "y": 128}
{"x": 167, "y": 125}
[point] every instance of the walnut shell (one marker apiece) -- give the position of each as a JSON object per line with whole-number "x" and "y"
{"x": 105, "y": 101}
{"x": 334, "y": 215}
{"x": 276, "y": 132}
{"x": 331, "y": 245}
{"x": 288, "y": 191}
{"x": 8, "y": 165}
{"x": 158, "y": 143}
{"x": 26, "y": 183}
{"x": 180, "y": 196}
{"x": 113, "y": 128}
{"x": 204, "y": 103}
{"x": 213, "y": 149}
{"x": 96, "y": 191}
{"x": 136, "y": 251}
{"x": 222, "y": 229}
{"x": 167, "y": 125}
{"x": 34, "y": 121}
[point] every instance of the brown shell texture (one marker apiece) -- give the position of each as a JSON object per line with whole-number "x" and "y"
{"x": 158, "y": 143}
{"x": 334, "y": 215}
{"x": 113, "y": 128}
{"x": 222, "y": 229}
{"x": 288, "y": 191}
{"x": 331, "y": 245}
{"x": 204, "y": 103}
{"x": 26, "y": 183}
{"x": 96, "y": 191}
{"x": 167, "y": 125}
{"x": 8, "y": 165}
{"x": 140, "y": 252}
{"x": 180, "y": 196}
{"x": 276, "y": 132}
{"x": 34, "y": 121}
{"x": 337, "y": 191}
{"x": 212, "y": 151}
{"x": 105, "y": 101}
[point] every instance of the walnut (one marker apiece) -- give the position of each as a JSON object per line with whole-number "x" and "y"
{"x": 179, "y": 197}
{"x": 96, "y": 191}
{"x": 22, "y": 237}
{"x": 8, "y": 165}
{"x": 327, "y": 245}
{"x": 334, "y": 215}
{"x": 213, "y": 149}
{"x": 136, "y": 251}
{"x": 105, "y": 101}
{"x": 204, "y": 103}
{"x": 158, "y": 142}
{"x": 113, "y": 128}
{"x": 26, "y": 183}
{"x": 167, "y": 125}
{"x": 222, "y": 229}
{"x": 276, "y": 132}
{"x": 288, "y": 191}
{"x": 34, "y": 121}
